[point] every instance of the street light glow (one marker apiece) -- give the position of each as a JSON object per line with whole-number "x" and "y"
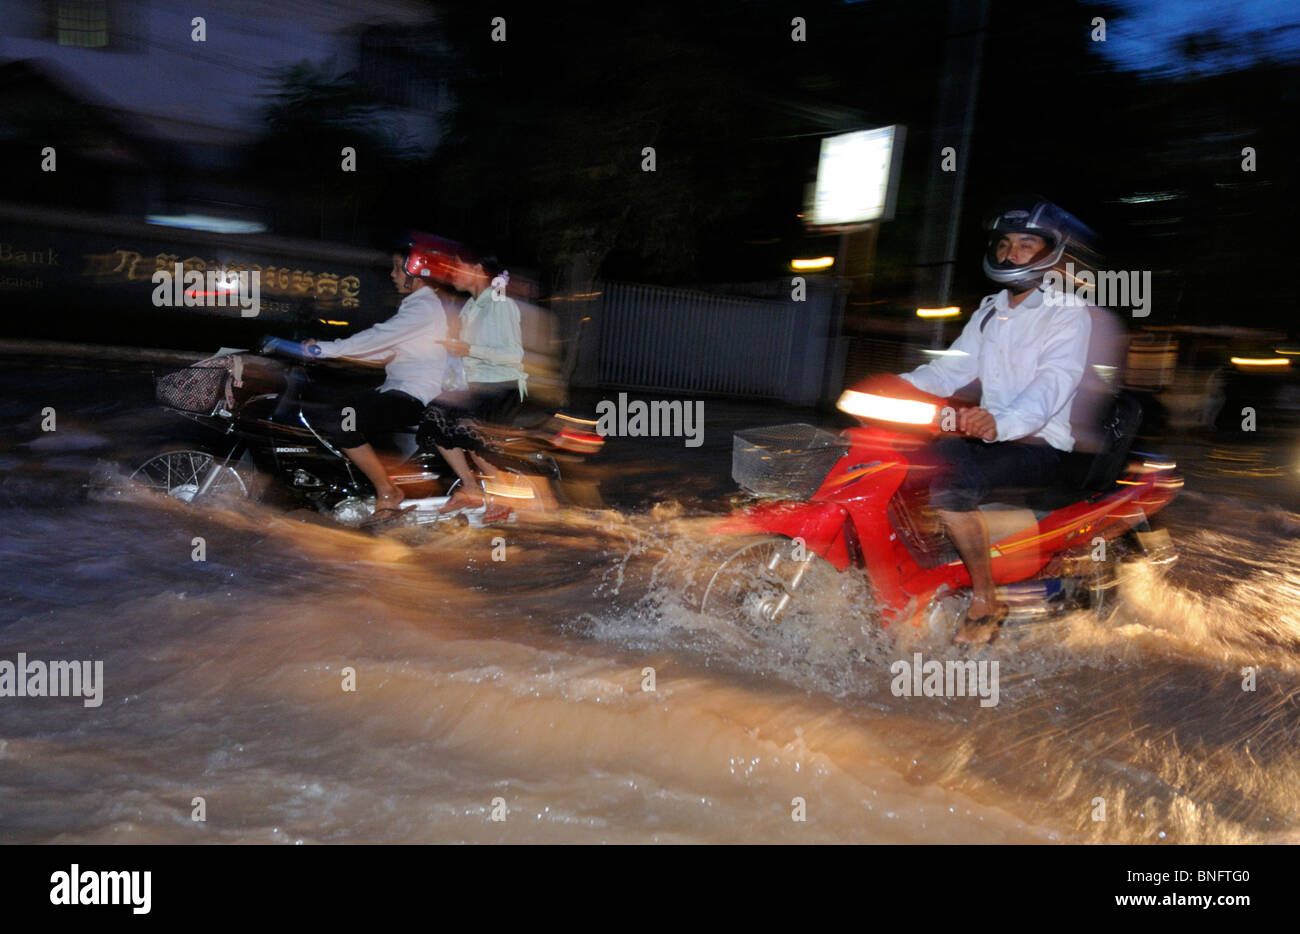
{"x": 1257, "y": 361}
{"x": 205, "y": 223}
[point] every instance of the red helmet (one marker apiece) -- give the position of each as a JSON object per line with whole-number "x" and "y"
{"x": 429, "y": 257}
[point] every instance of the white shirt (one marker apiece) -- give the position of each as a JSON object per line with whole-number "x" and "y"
{"x": 1028, "y": 359}
{"x": 490, "y": 325}
{"x": 407, "y": 343}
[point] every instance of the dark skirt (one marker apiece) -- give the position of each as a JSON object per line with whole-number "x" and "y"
{"x": 447, "y": 423}
{"x": 495, "y": 402}
{"x": 448, "y": 420}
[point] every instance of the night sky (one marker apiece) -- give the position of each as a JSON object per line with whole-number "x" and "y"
{"x": 1147, "y": 38}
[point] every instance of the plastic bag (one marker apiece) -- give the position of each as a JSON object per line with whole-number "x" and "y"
{"x": 453, "y": 379}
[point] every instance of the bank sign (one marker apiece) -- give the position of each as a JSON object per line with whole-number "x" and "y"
{"x": 73, "y": 272}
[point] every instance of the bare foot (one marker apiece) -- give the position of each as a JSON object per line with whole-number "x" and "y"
{"x": 981, "y": 624}
{"x": 387, "y": 511}
{"x": 461, "y": 500}
{"x": 389, "y": 500}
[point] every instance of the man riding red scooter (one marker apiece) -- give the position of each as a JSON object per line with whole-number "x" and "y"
{"x": 1048, "y": 423}
{"x": 1028, "y": 347}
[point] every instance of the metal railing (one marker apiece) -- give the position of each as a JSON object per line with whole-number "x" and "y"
{"x": 681, "y": 340}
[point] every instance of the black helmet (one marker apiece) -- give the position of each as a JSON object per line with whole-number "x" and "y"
{"x": 1030, "y": 214}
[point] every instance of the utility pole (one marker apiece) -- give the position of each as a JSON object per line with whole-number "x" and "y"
{"x": 954, "y": 125}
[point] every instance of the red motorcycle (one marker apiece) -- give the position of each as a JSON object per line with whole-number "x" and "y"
{"x": 859, "y": 501}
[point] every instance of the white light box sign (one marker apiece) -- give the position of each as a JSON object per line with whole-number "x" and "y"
{"x": 857, "y": 177}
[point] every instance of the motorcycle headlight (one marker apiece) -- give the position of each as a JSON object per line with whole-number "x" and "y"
{"x": 887, "y": 409}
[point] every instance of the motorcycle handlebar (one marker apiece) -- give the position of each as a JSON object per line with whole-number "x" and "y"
{"x": 278, "y": 345}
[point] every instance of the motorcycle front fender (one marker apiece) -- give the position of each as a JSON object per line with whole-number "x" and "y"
{"x": 820, "y": 525}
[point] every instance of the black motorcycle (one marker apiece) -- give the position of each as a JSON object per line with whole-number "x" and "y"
{"x": 263, "y": 413}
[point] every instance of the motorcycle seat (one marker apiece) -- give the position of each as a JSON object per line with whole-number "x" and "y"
{"x": 1086, "y": 474}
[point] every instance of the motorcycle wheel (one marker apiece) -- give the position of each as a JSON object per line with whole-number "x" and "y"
{"x": 759, "y": 583}
{"x": 1104, "y": 582}
{"x": 182, "y": 474}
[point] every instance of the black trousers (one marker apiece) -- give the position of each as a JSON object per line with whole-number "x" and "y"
{"x": 970, "y": 472}
{"x": 377, "y": 415}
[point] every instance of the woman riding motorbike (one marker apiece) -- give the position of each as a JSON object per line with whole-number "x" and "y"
{"x": 410, "y": 345}
{"x": 491, "y": 348}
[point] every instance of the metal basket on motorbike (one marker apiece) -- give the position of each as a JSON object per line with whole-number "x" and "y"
{"x": 784, "y": 461}
{"x": 198, "y": 390}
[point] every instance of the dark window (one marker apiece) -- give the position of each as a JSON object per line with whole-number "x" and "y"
{"x": 110, "y": 25}
{"x": 81, "y": 23}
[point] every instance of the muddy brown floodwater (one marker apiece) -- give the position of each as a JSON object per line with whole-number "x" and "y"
{"x": 517, "y": 688}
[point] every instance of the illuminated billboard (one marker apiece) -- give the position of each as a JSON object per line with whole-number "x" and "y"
{"x": 857, "y": 177}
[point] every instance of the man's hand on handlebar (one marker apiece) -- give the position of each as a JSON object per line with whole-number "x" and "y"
{"x": 977, "y": 423}
{"x": 307, "y": 350}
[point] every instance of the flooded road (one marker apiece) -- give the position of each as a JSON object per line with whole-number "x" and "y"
{"x": 314, "y": 684}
